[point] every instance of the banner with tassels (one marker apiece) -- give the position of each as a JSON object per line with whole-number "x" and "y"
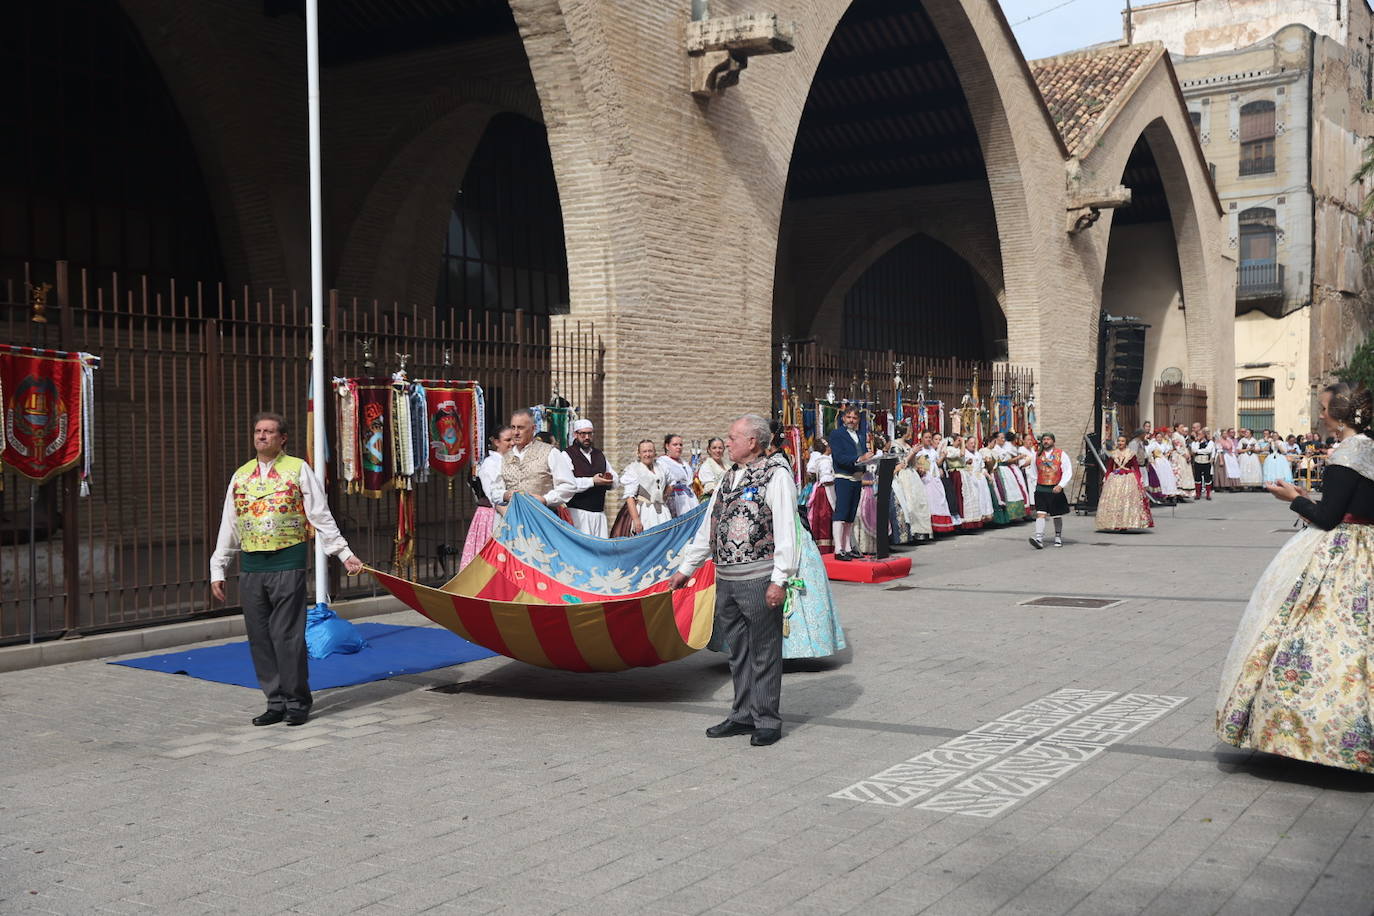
{"x": 47, "y": 403}
{"x": 455, "y": 437}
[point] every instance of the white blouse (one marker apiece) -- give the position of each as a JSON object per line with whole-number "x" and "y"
{"x": 642, "y": 483}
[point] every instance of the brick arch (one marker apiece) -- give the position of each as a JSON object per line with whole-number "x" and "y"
{"x": 1207, "y": 278}
{"x": 851, "y": 263}
{"x": 1023, "y": 156}
{"x": 392, "y": 247}
{"x": 672, "y": 205}
{"x": 224, "y": 107}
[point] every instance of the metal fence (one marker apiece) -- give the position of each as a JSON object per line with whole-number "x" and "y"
{"x": 815, "y": 370}
{"x": 183, "y": 370}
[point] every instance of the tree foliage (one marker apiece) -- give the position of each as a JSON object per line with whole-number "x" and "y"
{"x": 1360, "y": 368}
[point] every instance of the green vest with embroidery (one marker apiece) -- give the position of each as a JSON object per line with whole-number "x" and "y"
{"x": 270, "y": 510}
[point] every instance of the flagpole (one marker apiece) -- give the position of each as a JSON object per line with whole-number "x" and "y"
{"x": 312, "y": 76}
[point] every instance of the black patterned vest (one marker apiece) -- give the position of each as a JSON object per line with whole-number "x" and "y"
{"x": 593, "y": 500}
{"x": 741, "y": 522}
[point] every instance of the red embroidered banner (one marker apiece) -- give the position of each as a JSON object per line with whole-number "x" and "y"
{"x": 42, "y": 412}
{"x": 451, "y": 445}
{"x": 374, "y": 435}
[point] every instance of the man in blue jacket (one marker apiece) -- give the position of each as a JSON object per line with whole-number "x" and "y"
{"x": 849, "y": 454}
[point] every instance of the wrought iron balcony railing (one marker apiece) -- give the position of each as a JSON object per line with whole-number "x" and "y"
{"x": 1259, "y": 281}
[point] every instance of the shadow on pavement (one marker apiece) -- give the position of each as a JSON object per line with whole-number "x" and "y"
{"x": 1296, "y": 772}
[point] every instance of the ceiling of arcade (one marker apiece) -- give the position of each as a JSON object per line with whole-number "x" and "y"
{"x": 885, "y": 109}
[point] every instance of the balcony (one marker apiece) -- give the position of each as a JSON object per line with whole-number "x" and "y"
{"x": 1259, "y": 165}
{"x": 1259, "y": 286}
{"x": 1262, "y": 280}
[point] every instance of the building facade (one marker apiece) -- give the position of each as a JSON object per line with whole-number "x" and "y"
{"x": 1277, "y": 91}
{"x": 890, "y": 170}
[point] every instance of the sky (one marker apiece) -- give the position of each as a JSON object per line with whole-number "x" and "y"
{"x": 1062, "y": 25}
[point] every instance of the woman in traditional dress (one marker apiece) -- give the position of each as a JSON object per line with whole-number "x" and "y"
{"x": 644, "y": 486}
{"x": 1247, "y": 454}
{"x": 1297, "y": 679}
{"x": 1012, "y": 484}
{"x": 487, "y": 490}
{"x": 1181, "y": 459}
{"x": 910, "y": 489}
{"x": 712, "y": 468}
{"x": 821, "y": 506}
{"x": 928, "y": 465}
{"x": 677, "y": 477}
{"x": 1025, "y": 466}
{"x": 984, "y": 465}
{"x": 966, "y": 503}
{"x": 1277, "y": 466}
{"x": 1158, "y": 450}
{"x": 1228, "y": 463}
{"x": 1122, "y": 505}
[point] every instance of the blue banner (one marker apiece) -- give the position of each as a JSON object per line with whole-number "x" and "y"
{"x": 608, "y": 566}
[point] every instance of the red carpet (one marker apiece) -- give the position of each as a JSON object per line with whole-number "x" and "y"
{"x": 866, "y": 570}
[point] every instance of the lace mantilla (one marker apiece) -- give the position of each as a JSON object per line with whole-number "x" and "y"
{"x": 1356, "y": 453}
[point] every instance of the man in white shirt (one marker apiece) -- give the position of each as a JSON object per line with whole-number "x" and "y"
{"x": 1053, "y": 471}
{"x": 592, "y": 476}
{"x": 1204, "y": 452}
{"x": 269, "y": 501}
{"x": 751, "y": 533}
{"x": 534, "y": 468}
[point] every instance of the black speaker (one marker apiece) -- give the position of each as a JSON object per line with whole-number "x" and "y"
{"x": 1128, "y": 364}
{"x": 1092, "y": 479}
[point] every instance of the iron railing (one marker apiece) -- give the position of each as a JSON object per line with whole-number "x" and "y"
{"x": 1259, "y": 281}
{"x": 814, "y": 369}
{"x": 183, "y": 370}
{"x": 1257, "y": 165}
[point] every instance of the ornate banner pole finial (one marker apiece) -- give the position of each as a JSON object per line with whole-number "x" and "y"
{"x": 38, "y": 297}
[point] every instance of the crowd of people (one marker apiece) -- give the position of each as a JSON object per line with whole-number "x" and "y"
{"x": 1295, "y": 682}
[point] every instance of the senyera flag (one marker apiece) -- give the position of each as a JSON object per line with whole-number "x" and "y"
{"x": 544, "y": 593}
{"x": 42, "y": 410}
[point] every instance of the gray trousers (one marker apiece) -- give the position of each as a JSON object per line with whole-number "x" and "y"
{"x": 754, "y": 632}
{"x": 274, "y": 616}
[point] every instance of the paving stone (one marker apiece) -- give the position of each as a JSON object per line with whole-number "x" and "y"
{"x": 547, "y": 791}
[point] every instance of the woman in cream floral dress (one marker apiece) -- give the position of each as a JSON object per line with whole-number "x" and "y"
{"x": 1298, "y": 681}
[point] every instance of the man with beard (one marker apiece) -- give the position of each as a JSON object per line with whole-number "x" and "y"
{"x": 1053, "y": 471}
{"x": 593, "y": 476}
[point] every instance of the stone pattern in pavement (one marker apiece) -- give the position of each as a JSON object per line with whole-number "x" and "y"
{"x": 513, "y": 789}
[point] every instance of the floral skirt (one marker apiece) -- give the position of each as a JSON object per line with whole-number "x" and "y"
{"x": 1122, "y": 505}
{"x": 1183, "y": 470}
{"x": 1298, "y": 680}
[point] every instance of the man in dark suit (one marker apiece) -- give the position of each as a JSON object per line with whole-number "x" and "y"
{"x": 848, "y": 451}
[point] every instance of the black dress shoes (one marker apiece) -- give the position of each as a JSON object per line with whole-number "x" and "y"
{"x": 728, "y": 728}
{"x": 765, "y": 736}
{"x": 297, "y": 716}
{"x": 271, "y": 717}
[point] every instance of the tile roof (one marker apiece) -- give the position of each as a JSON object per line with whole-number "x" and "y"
{"x": 1079, "y": 87}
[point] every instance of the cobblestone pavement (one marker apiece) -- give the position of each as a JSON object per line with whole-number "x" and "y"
{"x": 968, "y": 754}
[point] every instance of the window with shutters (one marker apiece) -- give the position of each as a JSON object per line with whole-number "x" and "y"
{"x": 1257, "y": 138}
{"x": 1255, "y": 403}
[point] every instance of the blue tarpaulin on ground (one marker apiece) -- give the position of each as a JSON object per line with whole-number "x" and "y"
{"x": 391, "y": 651}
